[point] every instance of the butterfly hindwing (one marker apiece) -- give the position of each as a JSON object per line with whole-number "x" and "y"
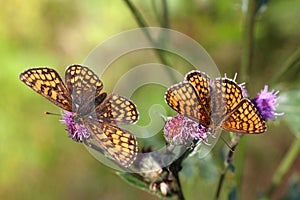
{"x": 118, "y": 110}
{"x": 245, "y": 118}
{"x": 227, "y": 93}
{"x": 119, "y": 144}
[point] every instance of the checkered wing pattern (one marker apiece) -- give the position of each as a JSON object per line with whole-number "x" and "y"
{"x": 227, "y": 93}
{"x": 117, "y": 110}
{"x": 119, "y": 144}
{"x": 184, "y": 99}
{"x": 49, "y": 84}
{"x": 217, "y": 103}
{"x": 244, "y": 118}
{"x": 83, "y": 97}
{"x": 201, "y": 83}
{"x": 85, "y": 88}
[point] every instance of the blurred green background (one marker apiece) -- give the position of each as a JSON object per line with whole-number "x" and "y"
{"x": 39, "y": 161}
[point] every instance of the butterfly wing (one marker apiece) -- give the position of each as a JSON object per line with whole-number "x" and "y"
{"x": 85, "y": 88}
{"x": 201, "y": 83}
{"x": 183, "y": 98}
{"x": 226, "y": 96}
{"x": 117, "y": 110}
{"x": 244, "y": 118}
{"x": 49, "y": 84}
{"x": 118, "y": 144}
{"x": 226, "y": 92}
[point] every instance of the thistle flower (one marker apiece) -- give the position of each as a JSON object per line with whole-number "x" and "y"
{"x": 266, "y": 102}
{"x": 181, "y": 130}
{"x": 75, "y": 130}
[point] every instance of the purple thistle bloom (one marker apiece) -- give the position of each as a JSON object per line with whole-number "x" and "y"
{"x": 75, "y": 130}
{"x": 180, "y": 130}
{"x": 266, "y": 102}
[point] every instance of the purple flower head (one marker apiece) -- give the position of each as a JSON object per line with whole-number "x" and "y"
{"x": 181, "y": 130}
{"x": 75, "y": 130}
{"x": 266, "y": 102}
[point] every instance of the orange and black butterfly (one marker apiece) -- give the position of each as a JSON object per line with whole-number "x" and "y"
{"x": 89, "y": 113}
{"x": 217, "y": 103}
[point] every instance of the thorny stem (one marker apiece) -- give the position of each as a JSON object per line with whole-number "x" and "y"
{"x": 227, "y": 161}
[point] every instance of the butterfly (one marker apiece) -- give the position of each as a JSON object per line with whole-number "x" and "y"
{"x": 215, "y": 103}
{"x": 92, "y": 112}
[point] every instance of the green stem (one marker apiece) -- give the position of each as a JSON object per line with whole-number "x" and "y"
{"x": 227, "y": 162}
{"x": 142, "y": 23}
{"x": 175, "y": 168}
{"x": 247, "y": 53}
{"x": 165, "y": 14}
{"x": 240, "y": 157}
{"x": 161, "y": 16}
{"x": 289, "y": 63}
{"x": 247, "y": 57}
{"x": 137, "y": 15}
{"x": 284, "y": 166}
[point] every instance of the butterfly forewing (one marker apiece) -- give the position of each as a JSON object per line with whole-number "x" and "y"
{"x": 245, "y": 118}
{"x": 49, "y": 84}
{"x": 85, "y": 87}
{"x": 183, "y": 98}
{"x": 119, "y": 144}
{"x": 117, "y": 110}
{"x": 201, "y": 83}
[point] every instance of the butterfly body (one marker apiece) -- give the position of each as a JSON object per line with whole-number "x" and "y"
{"x": 215, "y": 103}
{"x": 89, "y": 112}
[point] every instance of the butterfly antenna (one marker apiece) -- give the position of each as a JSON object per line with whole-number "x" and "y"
{"x": 235, "y": 76}
{"x": 163, "y": 117}
{"x": 231, "y": 149}
{"x": 50, "y": 113}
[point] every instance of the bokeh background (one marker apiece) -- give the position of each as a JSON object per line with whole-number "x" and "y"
{"x": 39, "y": 161}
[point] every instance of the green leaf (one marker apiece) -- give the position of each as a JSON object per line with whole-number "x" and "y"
{"x": 289, "y": 103}
{"x": 132, "y": 180}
